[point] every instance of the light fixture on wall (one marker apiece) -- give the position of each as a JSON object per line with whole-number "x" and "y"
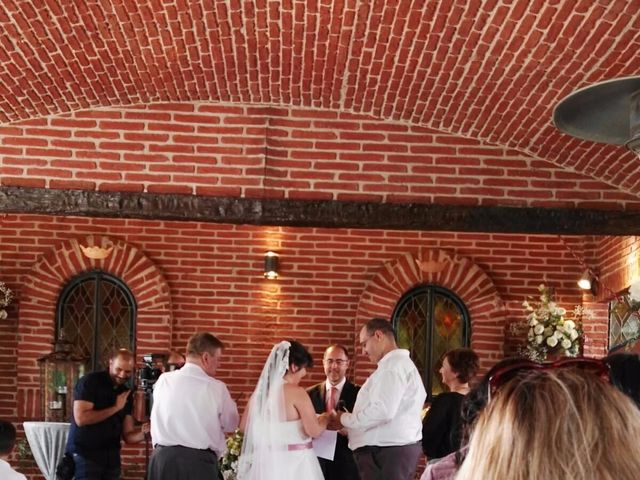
{"x": 271, "y": 265}
{"x": 587, "y": 281}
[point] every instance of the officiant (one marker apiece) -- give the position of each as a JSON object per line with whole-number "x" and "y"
{"x": 336, "y": 392}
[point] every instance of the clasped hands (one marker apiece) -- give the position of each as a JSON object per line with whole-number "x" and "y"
{"x": 332, "y": 419}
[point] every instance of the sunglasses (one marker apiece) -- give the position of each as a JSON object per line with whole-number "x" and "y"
{"x": 503, "y": 375}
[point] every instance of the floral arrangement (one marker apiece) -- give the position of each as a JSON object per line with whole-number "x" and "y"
{"x": 6, "y": 295}
{"x": 229, "y": 461}
{"x": 551, "y": 329}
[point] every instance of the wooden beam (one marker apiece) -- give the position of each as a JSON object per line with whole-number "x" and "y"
{"x": 319, "y": 213}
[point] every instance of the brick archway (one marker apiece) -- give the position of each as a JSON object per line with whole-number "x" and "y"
{"x": 460, "y": 275}
{"x": 44, "y": 283}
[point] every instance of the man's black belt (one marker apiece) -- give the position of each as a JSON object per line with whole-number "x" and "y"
{"x": 203, "y": 450}
{"x": 375, "y": 448}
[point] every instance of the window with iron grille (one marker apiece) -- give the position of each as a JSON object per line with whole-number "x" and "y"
{"x": 97, "y": 313}
{"x": 430, "y": 320}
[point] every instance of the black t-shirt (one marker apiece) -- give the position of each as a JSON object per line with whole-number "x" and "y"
{"x": 98, "y": 389}
{"x": 441, "y": 426}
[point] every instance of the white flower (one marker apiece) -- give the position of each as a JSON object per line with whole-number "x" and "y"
{"x": 634, "y": 291}
{"x": 547, "y": 328}
{"x": 3, "y": 314}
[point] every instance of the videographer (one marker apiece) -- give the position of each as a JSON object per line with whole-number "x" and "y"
{"x": 101, "y": 417}
{"x": 191, "y": 411}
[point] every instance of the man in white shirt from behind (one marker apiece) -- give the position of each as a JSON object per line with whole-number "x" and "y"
{"x": 191, "y": 411}
{"x": 385, "y": 427}
{"x": 7, "y": 442}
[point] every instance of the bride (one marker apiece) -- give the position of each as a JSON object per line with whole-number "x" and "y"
{"x": 279, "y": 421}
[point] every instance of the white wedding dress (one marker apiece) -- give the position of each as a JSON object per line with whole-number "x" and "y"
{"x": 274, "y": 448}
{"x": 296, "y": 462}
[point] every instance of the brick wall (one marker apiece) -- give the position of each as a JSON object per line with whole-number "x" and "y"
{"x": 619, "y": 264}
{"x": 234, "y": 150}
{"x": 213, "y": 273}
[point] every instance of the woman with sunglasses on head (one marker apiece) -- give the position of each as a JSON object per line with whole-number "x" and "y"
{"x": 558, "y": 421}
{"x": 441, "y": 426}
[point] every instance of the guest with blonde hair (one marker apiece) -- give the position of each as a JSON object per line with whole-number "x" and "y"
{"x": 555, "y": 423}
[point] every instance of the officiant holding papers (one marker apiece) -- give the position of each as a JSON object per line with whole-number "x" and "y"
{"x": 336, "y": 392}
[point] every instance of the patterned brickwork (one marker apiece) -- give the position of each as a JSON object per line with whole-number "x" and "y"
{"x": 458, "y": 274}
{"x": 39, "y": 294}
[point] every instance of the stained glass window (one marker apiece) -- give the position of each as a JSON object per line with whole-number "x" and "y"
{"x": 430, "y": 320}
{"x": 96, "y": 312}
{"x": 624, "y": 324}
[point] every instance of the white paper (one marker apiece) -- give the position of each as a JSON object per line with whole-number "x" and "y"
{"x": 324, "y": 446}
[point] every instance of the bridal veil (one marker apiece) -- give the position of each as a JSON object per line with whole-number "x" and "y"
{"x": 261, "y": 457}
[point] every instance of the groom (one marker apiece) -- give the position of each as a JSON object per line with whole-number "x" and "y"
{"x": 385, "y": 427}
{"x": 336, "y": 392}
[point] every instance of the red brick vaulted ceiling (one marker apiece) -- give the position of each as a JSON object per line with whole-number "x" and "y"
{"x": 490, "y": 70}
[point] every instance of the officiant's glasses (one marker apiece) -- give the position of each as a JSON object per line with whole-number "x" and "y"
{"x": 509, "y": 372}
{"x": 338, "y": 362}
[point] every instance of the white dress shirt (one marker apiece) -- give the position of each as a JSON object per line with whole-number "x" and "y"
{"x": 192, "y": 409}
{"x": 8, "y": 473}
{"x": 388, "y": 406}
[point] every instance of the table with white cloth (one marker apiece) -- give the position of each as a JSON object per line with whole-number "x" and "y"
{"x": 47, "y": 441}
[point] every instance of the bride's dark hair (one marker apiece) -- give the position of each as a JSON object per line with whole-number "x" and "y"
{"x": 299, "y": 355}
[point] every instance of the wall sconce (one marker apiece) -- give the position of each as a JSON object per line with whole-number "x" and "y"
{"x": 271, "y": 265}
{"x": 587, "y": 281}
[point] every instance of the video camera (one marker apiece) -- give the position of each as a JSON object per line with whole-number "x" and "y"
{"x": 152, "y": 368}
{"x": 153, "y": 365}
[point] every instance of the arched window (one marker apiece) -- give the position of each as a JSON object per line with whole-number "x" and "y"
{"x": 430, "y": 320}
{"x": 96, "y": 312}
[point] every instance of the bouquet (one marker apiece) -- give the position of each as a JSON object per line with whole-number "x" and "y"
{"x": 229, "y": 461}
{"x": 551, "y": 329}
{"x": 6, "y": 295}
